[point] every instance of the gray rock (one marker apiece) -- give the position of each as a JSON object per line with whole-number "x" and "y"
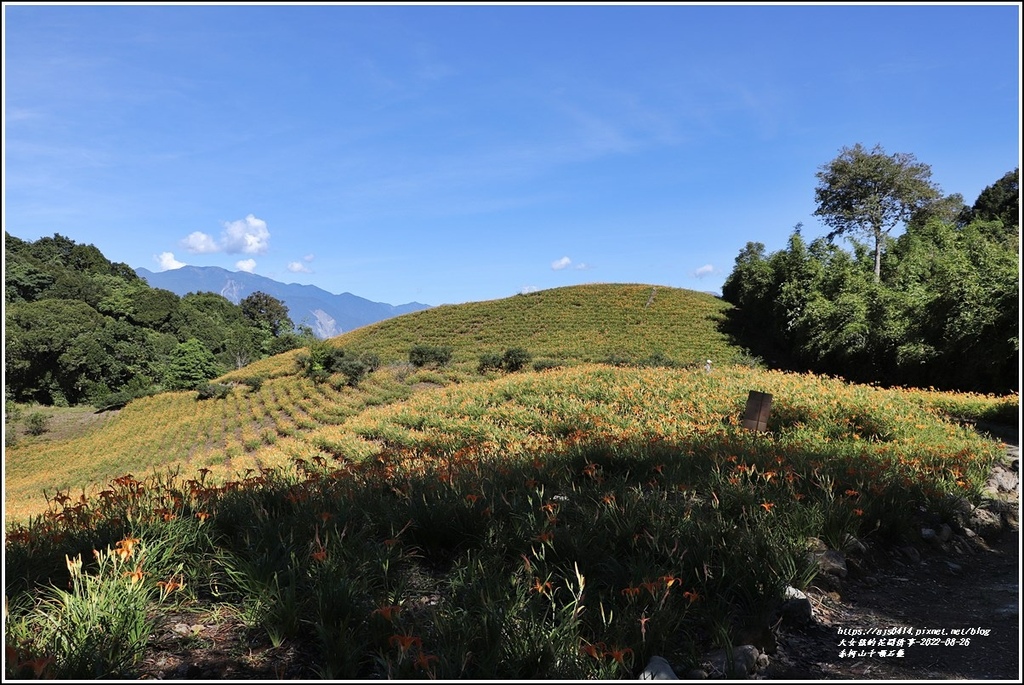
{"x": 658, "y": 668}
{"x": 852, "y": 545}
{"x": 929, "y": 535}
{"x": 833, "y": 563}
{"x": 738, "y": 664}
{"x": 954, "y": 568}
{"x": 945, "y": 532}
{"x": 796, "y": 610}
{"x": 911, "y": 554}
{"x": 985, "y": 523}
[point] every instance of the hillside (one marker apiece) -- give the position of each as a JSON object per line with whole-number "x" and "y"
{"x": 584, "y": 323}
{"x": 290, "y": 416}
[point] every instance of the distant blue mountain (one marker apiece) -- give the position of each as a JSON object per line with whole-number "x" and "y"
{"x": 326, "y": 313}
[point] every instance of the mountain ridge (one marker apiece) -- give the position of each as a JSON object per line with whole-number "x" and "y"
{"x": 328, "y": 314}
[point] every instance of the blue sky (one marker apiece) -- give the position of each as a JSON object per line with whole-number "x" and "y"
{"x": 447, "y": 154}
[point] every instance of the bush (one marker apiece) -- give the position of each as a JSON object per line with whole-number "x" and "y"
{"x": 515, "y": 358}
{"x": 325, "y": 360}
{"x": 254, "y": 383}
{"x": 489, "y": 361}
{"x": 421, "y": 355}
{"x": 36, "y": 423}
{"x": 212, "y": 391}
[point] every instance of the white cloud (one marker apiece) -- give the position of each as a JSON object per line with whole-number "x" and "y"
{"x": 168, "y": 262}
{"x": 308, "y": 258}
{"x": 198, "y": 242}
{"x": 247, "y": 265}
{"x": 248, "y": 235}
{"x": 526, "y": 289}
{"x": 560, "y": 264}
{"x": 299, "y": 268}
{"x": 703, "y": 271}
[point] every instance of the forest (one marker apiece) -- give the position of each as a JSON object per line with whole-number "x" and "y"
{"x": 937, "y": 306}
{"x": 80, "y": 329}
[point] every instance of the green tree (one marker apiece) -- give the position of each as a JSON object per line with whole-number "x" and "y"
{"x": 1000, "y": 201}
{"x": 870, "y": 192}
{"x": 263, "y": 309}
{"x": 191, "y": 363}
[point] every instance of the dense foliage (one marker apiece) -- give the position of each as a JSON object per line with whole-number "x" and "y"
{"x": 82, "y": 329}
{"x": 944, "y": 311}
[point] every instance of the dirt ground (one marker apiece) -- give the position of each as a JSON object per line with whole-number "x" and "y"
{"x": 976, "y": 592}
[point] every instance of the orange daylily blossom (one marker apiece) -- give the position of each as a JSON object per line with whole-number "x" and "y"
{"x": 135, "y": 575}
{"x": 202, "y": 515}
{"x": 405, "y": 642}
{"x": 541, "y": 588}
{"x": 423, "y": 661}
{"x": 125, "y": 548}
{"x": 595, "y": 651}
{"x": 619, "y": 654}
{"x": 691, "y": 597}
{"x": 169, "y": 585}
{"x": 319, "y": 554}
{"x": 388, "y": 612}
{"x": 767, "y": 506}
{"x": 858, "y": 512}
{"x": 630, "y": 591}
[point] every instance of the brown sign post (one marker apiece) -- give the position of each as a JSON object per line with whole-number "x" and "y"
{"x": 759, "y": 405}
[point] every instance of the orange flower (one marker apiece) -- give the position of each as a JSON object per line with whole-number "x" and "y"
{"x": 202, "y": 515}
{"x": 125, "y": 548}
{"x": 631, "y": 591}
{"x": 405, "y": 642}
{"x": 858, "y": 512}
{"x": 595, "y": 651}
{"x": 691, "y": 597}
{"x": 170, "y": 585}
{"x": 471, "y": 498}
{"x": 423, "y": 661}
{"x": 767, "y": 506}
{"x": 541, "y": 588}
{"x": 319, "y": 554}
{"x": 388, "y": 612}
{"x": 326, "y": 516}
{"x": 619, "y": 654}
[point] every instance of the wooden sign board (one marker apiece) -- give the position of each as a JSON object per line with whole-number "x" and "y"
{"x": 759, "y": 406}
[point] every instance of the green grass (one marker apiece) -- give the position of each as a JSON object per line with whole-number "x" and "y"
{"x": 438, "y": 522}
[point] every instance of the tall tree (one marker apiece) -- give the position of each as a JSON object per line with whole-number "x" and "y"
{"x": 871, "y": 192}
{"x": 264, "y": 309}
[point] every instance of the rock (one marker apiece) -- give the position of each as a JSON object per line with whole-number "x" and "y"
{"x": 796, "y": 610}
{"x": 954, "y": 568}
{"x": 852, "y": 545}
{"x": 695, "y": 674}
{"x": 738, "y": 664}
{"x": 985, "y": 523}
{"x": 911, "y": 553}
{"x": 816, "y": 546}
{"x": 1003, "y": 478}
{"x": 929, "y": 535}
{"x": 832, "y": 563}
{"x": 945, "y": 532}
{"x": 658, "y": 668}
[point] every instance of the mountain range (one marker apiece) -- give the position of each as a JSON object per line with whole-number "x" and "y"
{"x": 326, "y": 313}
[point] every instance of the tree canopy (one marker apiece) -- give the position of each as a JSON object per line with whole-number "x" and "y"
{"x": 871, "y": 192}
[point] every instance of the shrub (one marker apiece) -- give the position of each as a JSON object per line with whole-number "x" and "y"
{"x": 36, "y": 423}
{"x": 489, "y": 361}
{"x": 515, "y": 358}
{"x": 421, "y": 355}
{"x": 212, "y": 391}
{"x": 325, "y": 360}
{"x": 254, "y": 383}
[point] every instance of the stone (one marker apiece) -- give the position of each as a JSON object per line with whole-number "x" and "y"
{"x": 739, "y": 664}
{"x": 911, "y": 554}
{"x": 833, "y": 563}
{"x": 658, "y": 668}
{"x": 954, "y": 568}
{"x": 985, "y": 523}
{"x": 945, "y": 532}
{"x": 695, "y": 674}
{"x": 796, "y": 610}
{"x": 929, "y": 535}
